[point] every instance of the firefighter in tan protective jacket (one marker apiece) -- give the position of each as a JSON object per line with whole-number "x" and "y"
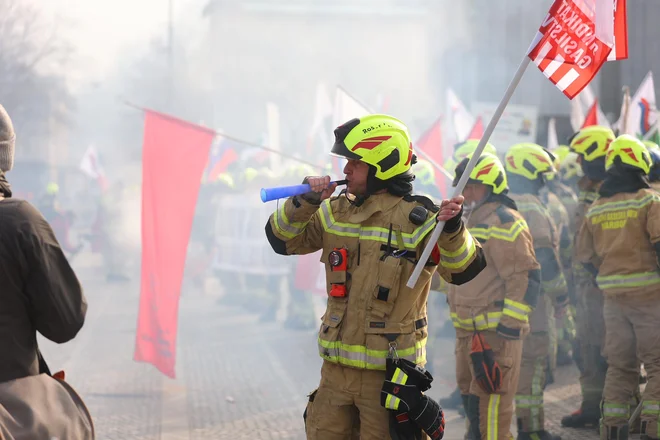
{"x": 562, "y": 204}
{"x": 498, "y": 302}
{"x": 371, "y": 236}
{"x": 619, "y": 244}
{"x": 590, "y": 144}
{"x": 526, "y": 167}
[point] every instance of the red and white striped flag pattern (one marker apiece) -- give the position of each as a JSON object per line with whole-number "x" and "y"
{"x": 573, "y": 42}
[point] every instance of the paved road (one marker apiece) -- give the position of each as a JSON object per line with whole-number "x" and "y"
{"x": 237, "y": 378}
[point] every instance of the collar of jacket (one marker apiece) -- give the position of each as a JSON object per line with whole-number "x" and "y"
{"x": 374, "y": 204}
{"x": 623, "y": 183}
{"x": 481, "y": 213}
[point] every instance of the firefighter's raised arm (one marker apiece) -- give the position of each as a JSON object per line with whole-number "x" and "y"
{"x": 295, "y": 228}
{"x": 461, "y": 257}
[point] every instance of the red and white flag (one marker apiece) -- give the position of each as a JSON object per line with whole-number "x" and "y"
{"x": 620, "y": 46}
{"x": 575, "y": 40}
{"x": 91, "y": 166}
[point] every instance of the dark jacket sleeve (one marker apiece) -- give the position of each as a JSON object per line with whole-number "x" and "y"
{"x": 57, "y": 302}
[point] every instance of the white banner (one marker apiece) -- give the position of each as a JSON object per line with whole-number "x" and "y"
{"x": 241, "y": 240}
{"x": 519, "y": 123}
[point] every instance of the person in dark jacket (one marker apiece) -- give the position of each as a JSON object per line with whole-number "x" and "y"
{"x": 40, "y": 291}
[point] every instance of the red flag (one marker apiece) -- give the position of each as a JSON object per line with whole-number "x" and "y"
{"x": 173, "y": 159}
{"x": 477, "y": 131}
{"x": 431, "y": 144}
{"x": 620, "y": 49}
{"x": 592, "y": 116}
{"x": 570, "y": 46}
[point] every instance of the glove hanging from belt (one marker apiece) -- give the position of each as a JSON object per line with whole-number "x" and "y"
{"x": 486, "y": 369}
{"x": 411, "y": 411}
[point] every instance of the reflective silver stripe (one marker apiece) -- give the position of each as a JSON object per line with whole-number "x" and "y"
{"x": 329, "y": 223}
{"x": 615, "y": 411}
{"x": 622, "y": 205}
{"x": 283, "y": 226}
{"x": 652, "y": 407}
{"x": 529, "y": 401}
{"x": 528, "y": 206}
{"x": 516, "y": 310}
{"x": 400, "y": 377}
{"x": 555, "y": 283}
{"x": 361, "y": 358}
{"x": 356, "y": 359}
{"x": 410, "y": 240}
{"x": 632, "y": 280}
{"x": 452, "y": 261}
{"x": 482, "y": 322}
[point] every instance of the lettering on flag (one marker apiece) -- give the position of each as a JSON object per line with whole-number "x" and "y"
{"x": 569, "y": 48}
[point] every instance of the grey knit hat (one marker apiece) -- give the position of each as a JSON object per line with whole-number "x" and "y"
{"x": 7, "y": 140}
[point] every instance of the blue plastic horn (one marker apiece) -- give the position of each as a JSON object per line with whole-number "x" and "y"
{"x": 280, "y": 192}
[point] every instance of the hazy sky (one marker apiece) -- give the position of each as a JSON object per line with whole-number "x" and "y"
{"x": 100, "y": 29}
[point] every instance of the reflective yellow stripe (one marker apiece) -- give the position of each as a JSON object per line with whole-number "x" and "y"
{"x": 623, "y": 205}
{"x": 529, "y": 206}
{"x": 286, "y": 228}
{"x": 628, "y": 281}
{"x": 621, "y": 410}
{"x": 587, "y": 197}
{"x": 459, "y": 258}
{"x": 497, "y": 233}
{"x": 483, "y": 321}
{"x": 410, "y": 240}
{"x": 555, "y": 285}
{"x": 392, "y": 402}
{"x": 359, "y": 356}
{"x": 399, "y": 377}
{"x": 493, "y": 416}
{"x": 528, "y": 401}
{"x": 516, "y": 310}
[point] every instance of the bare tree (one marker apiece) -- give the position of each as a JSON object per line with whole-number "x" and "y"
{"x": 33, "y": 58}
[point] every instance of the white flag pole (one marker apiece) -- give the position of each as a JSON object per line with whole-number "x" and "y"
{"x": 470, "y": 166}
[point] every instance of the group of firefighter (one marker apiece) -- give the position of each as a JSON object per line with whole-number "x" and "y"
{"x": 593, "y": 215}
{"x": 579, "y": 220}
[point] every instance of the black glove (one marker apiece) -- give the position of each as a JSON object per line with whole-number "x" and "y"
{"x": 402, "y": 393}
{"x": 422, "y": 410}
{"x": 429, "y": 416}
{"x": 454, "y": 223}
{"x": 311, "y": 197}
{"x": 399, "y": 397}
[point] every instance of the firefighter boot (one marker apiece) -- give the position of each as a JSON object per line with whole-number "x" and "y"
{"x": 538, "y": 435}
{"x": 582, "y": 418}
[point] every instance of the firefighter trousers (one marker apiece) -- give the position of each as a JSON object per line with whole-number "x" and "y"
{"x": 489, "y": 415}
{"x": 529, "y": 396}
{"x": 591, "y": 337}
{"x": 633, "y": 335}
{"x": 346, "y": 405}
